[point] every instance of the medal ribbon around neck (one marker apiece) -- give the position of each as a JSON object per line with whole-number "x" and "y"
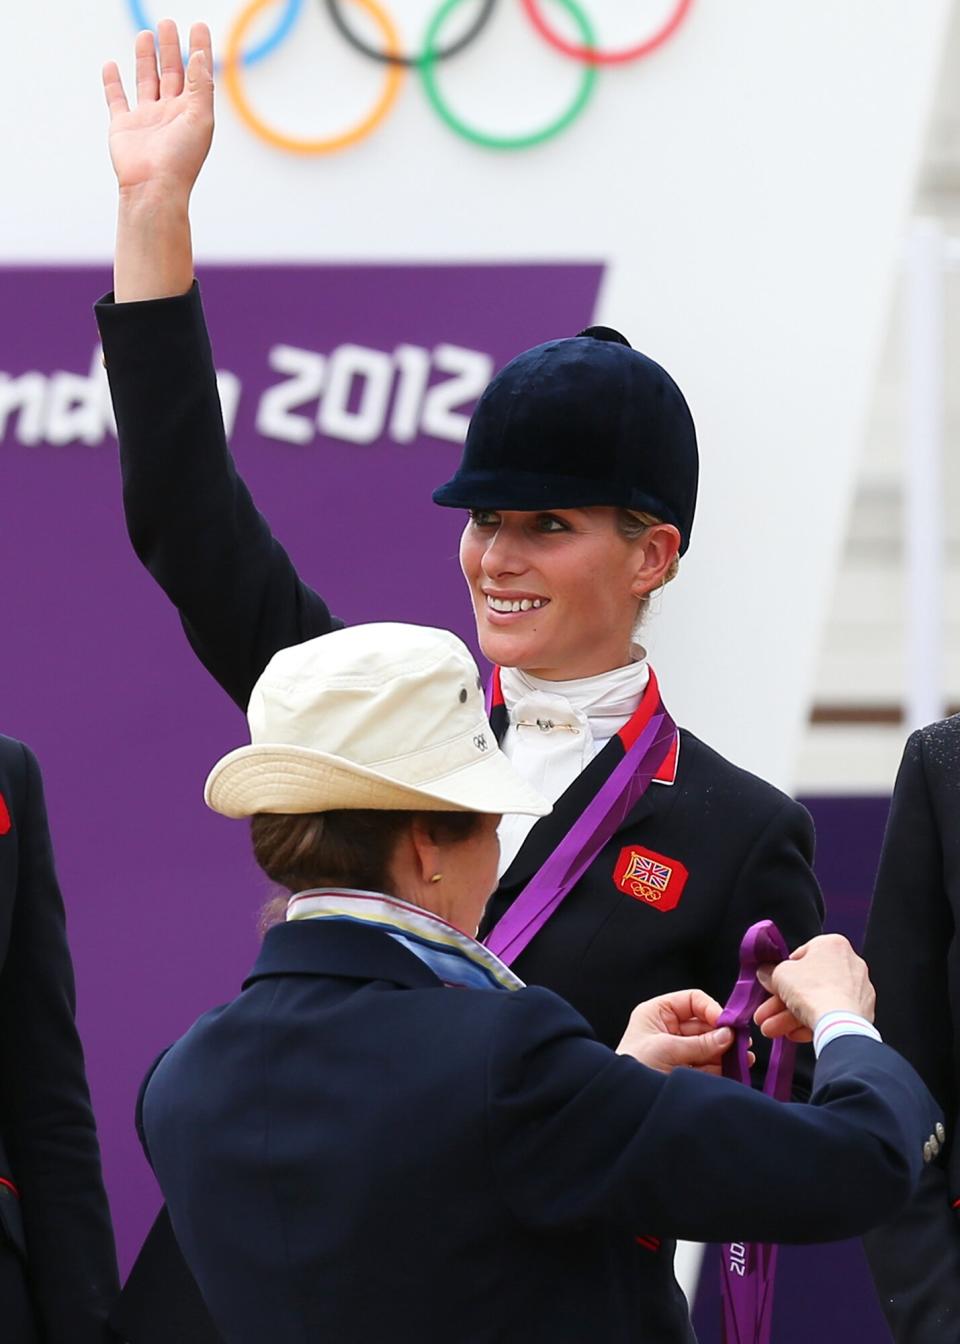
{"x": 747, "y": 1269}
{"x": 648, "y": 739}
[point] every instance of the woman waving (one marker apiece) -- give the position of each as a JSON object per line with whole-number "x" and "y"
{"x": 579, "y": 478}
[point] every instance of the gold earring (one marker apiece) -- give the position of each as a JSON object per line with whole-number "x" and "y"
{"x": 437, "y": 877}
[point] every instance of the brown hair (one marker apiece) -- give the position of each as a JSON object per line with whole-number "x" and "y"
{"x": 351, "y": 848}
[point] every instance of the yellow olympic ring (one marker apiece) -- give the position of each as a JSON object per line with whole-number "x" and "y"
{"x": 233, "y": 66}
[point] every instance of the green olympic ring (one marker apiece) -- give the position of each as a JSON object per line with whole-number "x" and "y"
{"x": 428, "y": 65}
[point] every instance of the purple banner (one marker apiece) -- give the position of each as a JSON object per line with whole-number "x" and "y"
{"x": 347, "y": 390}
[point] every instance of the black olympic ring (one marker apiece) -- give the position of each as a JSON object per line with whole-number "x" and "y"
{"x": 335, "y": 10}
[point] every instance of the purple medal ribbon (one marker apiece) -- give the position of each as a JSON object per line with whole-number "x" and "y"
{"x": 748, "y": 1268}
{"x": 597, "y": 824}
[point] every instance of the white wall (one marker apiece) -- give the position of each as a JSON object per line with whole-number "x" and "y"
{"x": 746, "y": 187}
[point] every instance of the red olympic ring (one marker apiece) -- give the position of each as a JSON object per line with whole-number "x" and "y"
{"x": 594, "y": 57}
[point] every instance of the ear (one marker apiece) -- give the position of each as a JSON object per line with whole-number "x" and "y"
{"x": 426, "y": 851}
{"x": 657, "y": 549}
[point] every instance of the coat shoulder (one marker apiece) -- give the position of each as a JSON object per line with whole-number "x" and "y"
{"x": 938, "y": 739}
{"x": 721, "y": 784}
{"x": 932, "y": 754}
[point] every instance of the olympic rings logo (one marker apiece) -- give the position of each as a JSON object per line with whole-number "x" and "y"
{"x": 397, "y": 64}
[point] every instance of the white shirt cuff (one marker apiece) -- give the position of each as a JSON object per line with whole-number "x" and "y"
{"x": 840, "y": 1023}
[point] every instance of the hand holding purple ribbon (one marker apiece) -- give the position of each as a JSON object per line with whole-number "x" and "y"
{"x": 676, "y": 1031}
{"x": 823, "y": 976}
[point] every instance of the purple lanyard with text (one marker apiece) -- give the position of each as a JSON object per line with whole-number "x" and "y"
{"x": 747, "y": 1268}
{"x": 597, "y": 824}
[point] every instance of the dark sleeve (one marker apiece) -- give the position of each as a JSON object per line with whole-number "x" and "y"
{"x": 578, "y": 1134}
{"x": 915, "y": 1260}
{"x": 776, "y": 881}
{"x": 190, "y": 516}
{"x": 909, "y": 931}
{"x": 48, "y": 1126}
{"x": 915, "y": 1263}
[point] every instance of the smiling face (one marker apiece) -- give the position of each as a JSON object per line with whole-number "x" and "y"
{"x": 557, "y": 593}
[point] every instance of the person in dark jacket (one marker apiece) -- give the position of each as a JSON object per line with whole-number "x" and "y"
{"x": 596, "y": 475}
{"x": 911, "y": 946}
{"x": 58, "y": 1271}
{"x": 352, "y": 1152}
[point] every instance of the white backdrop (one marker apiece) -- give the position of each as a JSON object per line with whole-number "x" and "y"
{"x": 746, "y": 187}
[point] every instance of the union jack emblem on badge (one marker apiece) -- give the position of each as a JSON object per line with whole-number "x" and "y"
{"x": 646, "y": 877}
{"x": 652, "y": 878}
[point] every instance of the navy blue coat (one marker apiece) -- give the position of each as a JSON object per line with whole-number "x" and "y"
{"x": 351, "y": 1152}
{"x": 58, "y": 1272}
{"x": 742, "y": 849}
{"x": 914, "y": 957}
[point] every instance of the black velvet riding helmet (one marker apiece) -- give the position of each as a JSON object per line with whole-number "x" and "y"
{"x": 576, "y": 422}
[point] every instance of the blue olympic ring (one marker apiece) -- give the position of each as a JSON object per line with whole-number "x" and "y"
{"x": 288, "y": 17}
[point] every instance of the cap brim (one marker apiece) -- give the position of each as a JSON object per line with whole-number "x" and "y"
{"x": 526, "y": 490}
{"x": 533, "y": 490}
{"x": 277, "y": 778}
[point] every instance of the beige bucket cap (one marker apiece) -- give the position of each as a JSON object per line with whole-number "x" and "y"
{"x": 385, "y": 716}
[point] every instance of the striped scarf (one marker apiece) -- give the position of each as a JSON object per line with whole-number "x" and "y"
{"x": 459, "y": 961}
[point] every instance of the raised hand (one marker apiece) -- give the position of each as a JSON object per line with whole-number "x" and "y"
{"x": 162, "y": 142}
{"x": 158, "y": 149}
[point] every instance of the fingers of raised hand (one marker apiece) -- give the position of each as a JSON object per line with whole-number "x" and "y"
{"x": 171, "y": 62}
{"x": 201, "y": 41}
{"x": 113, "y": 90}
{"x": 199, "y": 78}
{"x": 148, "y": 81}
